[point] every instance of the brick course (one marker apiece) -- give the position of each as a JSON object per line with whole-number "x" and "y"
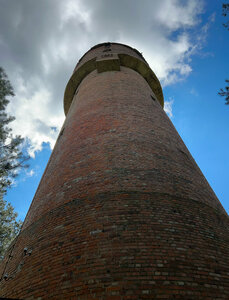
{"x": 122, "y": 210}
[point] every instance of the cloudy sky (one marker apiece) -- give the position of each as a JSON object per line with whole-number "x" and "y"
{"x": 183, "y": 41}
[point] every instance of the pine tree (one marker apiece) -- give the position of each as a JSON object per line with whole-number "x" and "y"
{"x": 11, "y": 156}
{"x": 9, "y": 226}
{"x": 12, "y": 160}
{"x": 225, "y": 92}
{"x": 225, "y": 13}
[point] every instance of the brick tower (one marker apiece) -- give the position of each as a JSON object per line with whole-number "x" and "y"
{"x": 122, "y": 210}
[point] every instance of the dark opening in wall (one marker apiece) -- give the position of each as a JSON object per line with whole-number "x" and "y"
{"x": 154, "y": 99}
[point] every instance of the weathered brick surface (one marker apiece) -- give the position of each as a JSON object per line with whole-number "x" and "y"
{"x": 136, "y": 245}
{"x": 122, "y": 211}
{"x": 116, "y": 48}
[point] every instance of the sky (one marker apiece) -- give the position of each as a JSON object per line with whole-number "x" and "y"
{"x": 183, "y": 41}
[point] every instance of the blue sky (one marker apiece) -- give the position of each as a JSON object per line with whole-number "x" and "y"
{"x": 183, "y": 41}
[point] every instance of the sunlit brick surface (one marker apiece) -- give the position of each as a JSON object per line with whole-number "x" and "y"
{"x": 122, "y": 211}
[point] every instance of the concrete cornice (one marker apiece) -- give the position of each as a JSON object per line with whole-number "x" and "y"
{"x": 111, "y": 62}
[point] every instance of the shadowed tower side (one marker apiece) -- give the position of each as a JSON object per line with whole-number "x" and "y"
{"x": 122, "y": 210}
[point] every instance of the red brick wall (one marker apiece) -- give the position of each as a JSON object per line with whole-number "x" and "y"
{"x": 122, "y": 211}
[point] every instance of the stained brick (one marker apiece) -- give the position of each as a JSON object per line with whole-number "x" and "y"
{"x": 122, "y": 211}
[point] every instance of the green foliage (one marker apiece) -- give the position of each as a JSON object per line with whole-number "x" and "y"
{"x": 225, "y": 13}
{"x": 12, "y": 160}
{"x": 225, "y": 92}
{"x": 11, "y": 156}
{"x": 9, "y": 226}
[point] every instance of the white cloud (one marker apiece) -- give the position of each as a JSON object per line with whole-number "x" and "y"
{"x": 168, "y": 107}
{"x": 174, "y": 14}
{"x": 30, "y": 173}
{"x": 24, "y": 174}
{"x": 41, "y": 42}
{"x": 35, "y": 119}
{"x": 194, "y": 92}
